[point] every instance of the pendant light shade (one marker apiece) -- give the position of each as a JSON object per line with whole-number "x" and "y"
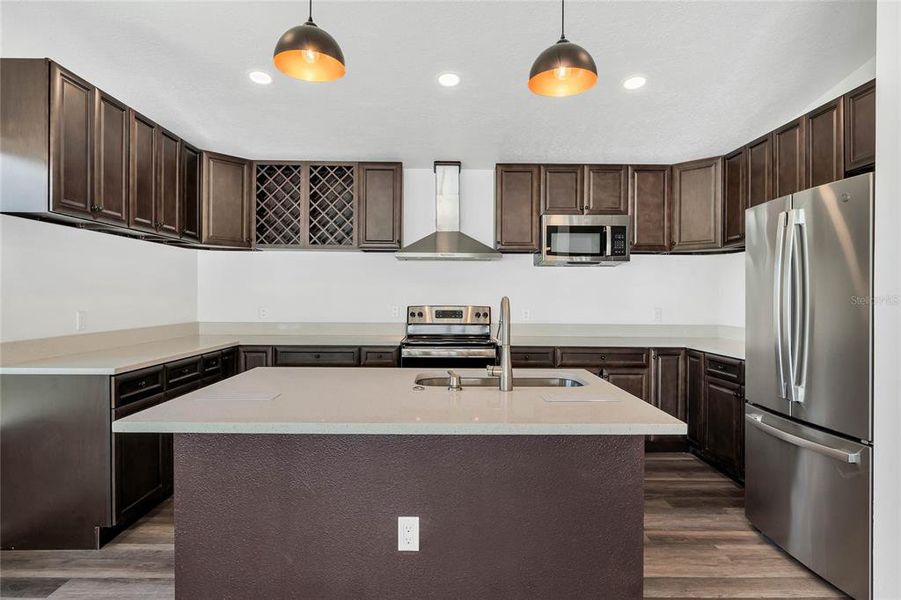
{"x": 309, "y": 53}
{"x": 564, "y": 69}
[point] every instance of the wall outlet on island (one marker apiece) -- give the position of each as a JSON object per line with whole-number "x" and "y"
{"x": 408, "y": 534}
{"x": 81, "y": 318}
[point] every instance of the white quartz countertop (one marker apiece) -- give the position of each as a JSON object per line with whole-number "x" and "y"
{"x": 124, "y": 358}
{"x": 292, "y": 400}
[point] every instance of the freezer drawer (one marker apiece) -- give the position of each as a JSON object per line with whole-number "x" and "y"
{"x": 810, "y": 493}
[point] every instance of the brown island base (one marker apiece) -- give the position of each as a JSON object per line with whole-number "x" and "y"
{"x": 522, "y": 494}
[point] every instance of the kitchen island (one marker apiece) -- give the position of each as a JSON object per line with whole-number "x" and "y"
{"x": 289, "y": 483}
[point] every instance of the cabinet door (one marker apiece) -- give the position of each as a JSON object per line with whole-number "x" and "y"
{"x": 668, "y": 366}
{"x": 788, "y": 158}
{"x": 169, "y": 197}
{"x": 649, "y": 203}
{"x": 251, "y": 357}
{"x": 824, "y": 143}
{"x": 71, "y": 143}
{"x": 142, "y": 174}
{"x": 190, "y": 192}
{"x": 636, "y": 381}
{"x": 698, "y": 205}
{"x": 694, "y": 397}
{"x": 860, "y": 128}
{"x": 760, "y": 170}
{"x": 606, "y": 190}
{"x": 516, "y": 203}
{"x": 381, "y": 205}
{"x": 111, "y": 160}
{"x": 725, "y": 411}
{"x": 226, "y": 214}
{"x": 734, "y": 197}
{"x": 562, "y": 189}
{"x": 141, "y": 463}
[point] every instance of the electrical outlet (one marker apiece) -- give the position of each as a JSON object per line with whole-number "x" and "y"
{"x": 526, "y": 314}
{"x": 395, "y": 311}
{"x": 80, "y": 320}
{"x": 262, "y": 313}
{"x": 408, "y": 534}
{"x": 658, "y": 314}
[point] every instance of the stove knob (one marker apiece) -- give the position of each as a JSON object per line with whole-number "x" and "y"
{"x": 478, "y": 315}
{"x": 419, "y": 314}
{"x": 412, "y": 314}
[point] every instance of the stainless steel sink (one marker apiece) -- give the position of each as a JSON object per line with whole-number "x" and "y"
{"x": 485, "y": 381}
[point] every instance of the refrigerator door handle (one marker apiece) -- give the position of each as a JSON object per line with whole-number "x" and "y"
{"x": 799, "y": 358}
{"x": 788, "y": 317}
{"x": 756, "y": 420}
{"x": 779, "y": 265}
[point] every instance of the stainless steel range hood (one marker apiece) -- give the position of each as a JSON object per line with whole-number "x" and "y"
{"x": 448, "y": 242}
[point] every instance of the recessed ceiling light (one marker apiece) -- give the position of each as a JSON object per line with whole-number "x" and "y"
{"x": 634, "y": 82}
{"x": 260, "y": 77}
{"x": 449, "y": 79}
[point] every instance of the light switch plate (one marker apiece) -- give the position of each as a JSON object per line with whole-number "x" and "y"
{"x": 408, "y": 534}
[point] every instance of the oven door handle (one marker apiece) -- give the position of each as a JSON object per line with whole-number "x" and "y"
{"x": 409, "y": 352}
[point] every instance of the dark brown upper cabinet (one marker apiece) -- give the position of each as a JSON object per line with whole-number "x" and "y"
{"x": 227, "y": 201}
{"x": 859, "y": 106}
{"x": 649, "y": 205}
{"x": 824, "y": 144}
{"x": 381, "y": 205}
{"x": 169, "y": 210}
{"x": 71, "y": 143}
{"x": 517, "y": 205}
{"x": 734, "y": 197}
{"x": 190, "y": 192}
{"x": 144, "y": 157}
{"x": 759, "y": 170}
{"x": 562, "y": 189}
{"x": 606, "y": 190}
{"x": 698, "y": 205}
{"x": 111, "y": 148}
{"x": 788, "y": 158}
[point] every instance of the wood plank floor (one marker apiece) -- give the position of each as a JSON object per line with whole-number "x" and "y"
{"x": 697, "y": 545}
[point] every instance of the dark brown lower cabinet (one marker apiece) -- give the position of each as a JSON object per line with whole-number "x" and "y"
{"x": 715, "y": 400}
{"x": 251, "y": 357}
{"x": 668, "y": 393}
{"x": 533, "y": 357}
{"x": 380, "y": 356}
{"x": 312, "y": 356}
{"x": 635, "y": 380}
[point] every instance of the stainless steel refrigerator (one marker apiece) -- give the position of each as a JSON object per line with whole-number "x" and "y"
{"x": 809, "y": 411}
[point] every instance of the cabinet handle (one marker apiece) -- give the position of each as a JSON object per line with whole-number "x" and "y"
{"x": 142, "y": 383}
{"x": 603, "y": 357}
{"x": 316, "y": 356}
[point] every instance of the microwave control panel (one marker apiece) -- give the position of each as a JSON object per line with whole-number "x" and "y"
{"x": 618, "y": 241}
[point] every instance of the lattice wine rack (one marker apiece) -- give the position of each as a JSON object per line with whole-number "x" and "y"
{"x": 279, "y": 200}
{"x": 302, "y": 205}
{"x": 331, "y": 205}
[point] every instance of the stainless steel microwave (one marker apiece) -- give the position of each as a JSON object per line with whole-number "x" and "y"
{"x": 583, "y": 240}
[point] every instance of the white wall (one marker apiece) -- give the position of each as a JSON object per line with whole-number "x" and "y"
{"x": 887, "y": 310}
{"x": 48, "y": 272}
{"x": 364, "y": 287}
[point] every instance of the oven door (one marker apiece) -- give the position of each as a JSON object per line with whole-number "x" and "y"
{"x": 424, "y": 357}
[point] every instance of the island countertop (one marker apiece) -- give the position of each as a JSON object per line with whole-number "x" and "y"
{"x": 385, "y": 402}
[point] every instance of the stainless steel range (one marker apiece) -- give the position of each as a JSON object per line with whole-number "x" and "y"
{"x": 448, "y": 336}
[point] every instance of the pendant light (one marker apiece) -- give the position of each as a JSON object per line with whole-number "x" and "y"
{"x": 564, "y": 69}
{"x": 309, "y": 53}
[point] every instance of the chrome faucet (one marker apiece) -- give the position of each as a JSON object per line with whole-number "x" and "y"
{"x": 505, "y": 370}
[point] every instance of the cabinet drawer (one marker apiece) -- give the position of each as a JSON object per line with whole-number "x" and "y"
{"x": 182, "y": 389}
{"x": 602, "y": 357}
{"x": 137, "y": 385}
{"x": 211, "y": 364}
{"x": 380, "y": 356}
{"x": 725, "y": 369}
{"x": 333, "y": 356}
{"x": 181, "y": 372}
{"x": 533, "y": 357}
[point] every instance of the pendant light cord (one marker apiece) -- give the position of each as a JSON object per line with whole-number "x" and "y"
{"x": 310, "y": 19}
{"x": 562, "y": 18}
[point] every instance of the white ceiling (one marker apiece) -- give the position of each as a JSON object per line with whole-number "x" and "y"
{"x": 719, "y": 73}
